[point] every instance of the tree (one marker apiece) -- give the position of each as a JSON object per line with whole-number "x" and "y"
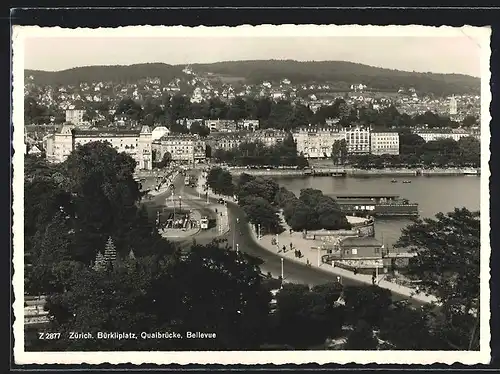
{"x": 258, "y": 187}
{"x": 470, "y": 121}
{"x": 339, "y": 151}
{"x": 470, "y": 151}
{"x": 199, "y": 129}
{"x": 209, "y": 290}
{"x": 307, "y": 317}
{"x": 370, "y": 304}
{"x": 105, "y": 196}
{"x": 361, "y": 338}
{"x": 402, "y": 322}
{"x": 220, "y": 181}
{"x": 165, "y": 160}
{"x": 130, "y": 108}
{"x": 447, "y": 262}
{"x": 260, "y": 211}
{"x": 314, "y": 211}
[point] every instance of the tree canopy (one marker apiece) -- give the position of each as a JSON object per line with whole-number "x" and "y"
{"x": 447, "y": 263}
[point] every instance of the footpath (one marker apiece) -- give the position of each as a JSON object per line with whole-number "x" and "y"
{"x": 311, "y": 255}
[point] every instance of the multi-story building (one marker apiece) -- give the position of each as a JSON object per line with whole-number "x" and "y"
{"x": 429, "y": 135}
{"x": 75, "y": 116}
{"x": 187, "y": 149}
{"x": 269, "y": 137}
{"x": 221, "y": 125}
{"x": 358, "y": 140}
{"x": 317, "y": 142}
{"x": 225, "y": 142}
{"x": 158, "y": 132}
{"x": 384, "y": 143}
{"x": 453, "y": 110}
{"x": 249, "y": 124}
{"x": 137, "y": 143}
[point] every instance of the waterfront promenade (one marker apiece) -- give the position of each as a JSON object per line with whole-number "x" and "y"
{"x": 352, "y": 172}
{"x": 310, "y": 255}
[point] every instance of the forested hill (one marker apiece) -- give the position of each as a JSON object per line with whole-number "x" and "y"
{"x": 338, "y": 74}
{"x": 343, "y": 72}
{"x": 111, "y": 73}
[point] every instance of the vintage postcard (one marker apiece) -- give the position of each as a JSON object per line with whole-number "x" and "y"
{"x": 251, "y": 195}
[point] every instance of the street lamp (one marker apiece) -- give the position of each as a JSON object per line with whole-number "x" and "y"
{"x": 258, "y": 231}
{"x": 282, "y": 273}
{"x": 173, "y": 204}
{"x": 237, "y": 247}
{"x": 180, "y": 204}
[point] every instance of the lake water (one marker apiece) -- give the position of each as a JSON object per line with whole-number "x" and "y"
{"x": 433, "y": 194}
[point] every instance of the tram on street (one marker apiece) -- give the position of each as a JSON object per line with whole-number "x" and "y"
{"x": 204, "y": 223}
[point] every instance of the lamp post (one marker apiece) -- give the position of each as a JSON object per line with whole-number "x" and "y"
{"x": 237, "y": 247}
{"x": 173, "y": 204}
{"x": 277, "y": 241}
{"x": 234, "y": 230}
{"x": 180, "y": 204}
{"x": 319, "y": 250}
{"x": 282, "y": 273}
{"x": 339, "y": 279}
{"x": 258, "y": 231}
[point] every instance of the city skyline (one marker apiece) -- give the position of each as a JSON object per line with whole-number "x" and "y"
{"x": 452, "y": 53}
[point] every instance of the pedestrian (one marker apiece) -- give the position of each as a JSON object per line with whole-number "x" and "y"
{"x": 291, "y": 232}
{"x": 373, "y": 279}
{"x": 355, "y": 271}
{"x": 296, "y": 253}
{"x": 284, "y": 248}
{"x": 291, "y": 246}
{"x": 300, "y": 254}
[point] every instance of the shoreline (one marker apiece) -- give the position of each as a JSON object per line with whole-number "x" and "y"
{"x": 351, "y": 172}
{"x": 313, "y": 256}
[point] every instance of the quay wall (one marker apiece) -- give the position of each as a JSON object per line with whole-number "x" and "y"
{"x": 349, "y": 172}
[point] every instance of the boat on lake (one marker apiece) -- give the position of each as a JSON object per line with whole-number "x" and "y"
{"x": 471, "y": 172}
{"x": 378, "y": 205}
{"x": 406, "y": 181}
{"x": 394, "y": 181}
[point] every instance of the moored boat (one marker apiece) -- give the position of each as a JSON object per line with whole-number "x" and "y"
{"x": 378, "y": 205}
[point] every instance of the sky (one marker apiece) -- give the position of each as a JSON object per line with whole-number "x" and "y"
{"x": 457, "y": 54}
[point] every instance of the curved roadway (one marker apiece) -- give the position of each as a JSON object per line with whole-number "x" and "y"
{"x": 293, "y": 271}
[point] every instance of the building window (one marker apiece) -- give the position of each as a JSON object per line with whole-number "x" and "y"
{"x": 377, "y": 250}
{"x": 354, "y": 251}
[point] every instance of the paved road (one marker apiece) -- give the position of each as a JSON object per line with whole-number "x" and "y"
{"x": 293, "y": 272}
{"x": 204, "y": 236}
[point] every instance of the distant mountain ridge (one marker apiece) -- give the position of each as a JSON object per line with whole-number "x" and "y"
{"x": 341, "y": 73}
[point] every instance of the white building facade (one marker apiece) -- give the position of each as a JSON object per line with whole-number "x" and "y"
{"x": 136, "y": 143}
{"x": 317, "y": 142}
{"x": 430, "y": 136}
{"x": 384, "y": 143}
{"x": 75, "y": 116}
{"x": 358, "y": 140}
{"x": 187, "y": 149}
{"x": 268, "y": 137}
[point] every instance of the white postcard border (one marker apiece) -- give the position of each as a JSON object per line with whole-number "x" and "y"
{"x": 20, "y": 33}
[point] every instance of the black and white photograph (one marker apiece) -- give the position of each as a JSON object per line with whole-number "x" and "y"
{"x": 251, "y": 195}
